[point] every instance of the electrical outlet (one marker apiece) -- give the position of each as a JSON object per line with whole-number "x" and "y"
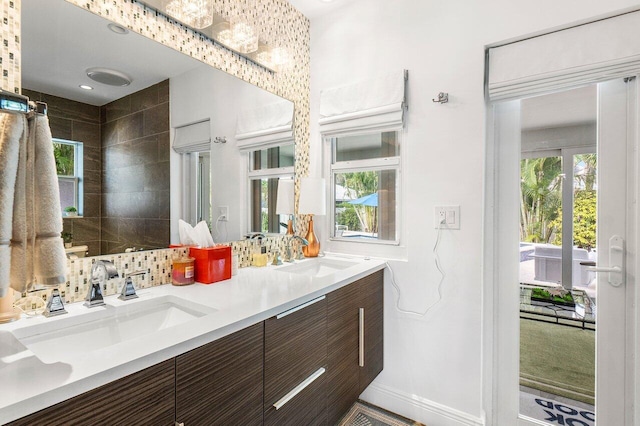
{"x": 447, "y": 217}
{"x": 223, "y": 213}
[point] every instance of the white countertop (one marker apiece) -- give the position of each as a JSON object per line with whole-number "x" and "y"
{"x": 255, "y": 294}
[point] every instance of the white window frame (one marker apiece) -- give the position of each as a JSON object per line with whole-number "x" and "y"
{"x": 374, "y": 164}
{"x": 273, "y": 173}
{"x": 78, "y": 177}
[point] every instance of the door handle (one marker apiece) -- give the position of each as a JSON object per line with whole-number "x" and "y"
{"x": 361, "y": 338}
{"x": 616, "y": 262}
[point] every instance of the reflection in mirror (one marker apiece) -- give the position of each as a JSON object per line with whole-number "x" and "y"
{"x": 204, "y": 187}
{"x": 130, "y": 191}
{"x": 268, "y": 166}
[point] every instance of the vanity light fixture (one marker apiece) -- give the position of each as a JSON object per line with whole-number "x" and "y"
{"x": 244, "y": 36}
{"x": 236, "y": 27}
{"x": 85, "y": 87}
{"x": 195, "y": 13}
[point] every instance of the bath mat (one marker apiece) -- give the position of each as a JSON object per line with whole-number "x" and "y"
{"x": 556, "y": 412}
{"x": 363, "y": 414}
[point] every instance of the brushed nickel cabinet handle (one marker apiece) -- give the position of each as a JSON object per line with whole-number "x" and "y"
{"x": 295, "y": 391}
{"x": 361, "y": 339}
{"x": 299, "y": 307}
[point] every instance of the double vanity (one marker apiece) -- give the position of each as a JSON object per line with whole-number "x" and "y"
{"x": 294, "y": 344}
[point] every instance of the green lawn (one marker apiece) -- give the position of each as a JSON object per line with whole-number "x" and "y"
{"x": 558, "y": 359}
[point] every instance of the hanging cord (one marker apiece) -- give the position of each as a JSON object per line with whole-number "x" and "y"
{"x": 436, "y": 258}
{"x": 31, "y": 305}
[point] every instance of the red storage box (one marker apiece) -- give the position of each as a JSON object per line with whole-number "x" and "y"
{"x": 212, "y": 264}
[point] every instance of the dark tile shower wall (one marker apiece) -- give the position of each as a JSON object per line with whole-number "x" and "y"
{"x": 135, "y": 180}
{"x": 76, "y": 121}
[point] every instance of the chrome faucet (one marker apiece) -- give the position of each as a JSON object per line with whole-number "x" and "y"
{"x": 299, "y": 255}
{"x": 128, "y": 289}
{"x": 101, "y": 271}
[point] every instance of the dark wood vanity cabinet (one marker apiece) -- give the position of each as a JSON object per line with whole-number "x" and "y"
{"x": 220, "y": 383}
{"x": 305, "y": 366}
{"x": 355, "y": 331}
{"x": 372, "y": 308}
{"x": 143, "y": 398}
{"x": 295, "y": 360}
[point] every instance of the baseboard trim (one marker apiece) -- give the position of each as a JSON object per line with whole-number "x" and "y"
{"x": 406, "y": 404}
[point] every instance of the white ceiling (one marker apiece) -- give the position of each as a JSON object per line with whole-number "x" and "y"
{"x": 314, "y": 8}
{"x": 60, "y": 41}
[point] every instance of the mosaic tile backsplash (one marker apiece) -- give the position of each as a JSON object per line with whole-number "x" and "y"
{"x": 157, "y": 264}
{"x": 10, "y": 55}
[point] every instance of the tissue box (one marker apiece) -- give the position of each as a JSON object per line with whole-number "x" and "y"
{"x": 212, "y": 264}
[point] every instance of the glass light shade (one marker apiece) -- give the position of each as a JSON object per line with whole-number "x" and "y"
{"x": 285, "y": 202}
{"x": 313, "y": 198}
{"x": 245, "y": 35}
{"x": 221, "y": 32}
{"x": 279, "y": 56}
{"x": 195, "y": 13}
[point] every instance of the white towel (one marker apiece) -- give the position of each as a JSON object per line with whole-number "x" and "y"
{"x": 30, "y": 216}
{"x": 49, "y": 258}
{"x": 21, "y": 259}
{"x": 12, "y": 139}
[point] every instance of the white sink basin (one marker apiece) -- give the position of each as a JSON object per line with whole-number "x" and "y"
{"x": 55, "y": 341}
{"x": 318, "y": 267}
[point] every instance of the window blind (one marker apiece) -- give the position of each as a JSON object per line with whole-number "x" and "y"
{"x": 194, "y": 137}
{"x": 584, "y": 54}
{"x": 265, "y": 127}
{"x": 366, "y": 105}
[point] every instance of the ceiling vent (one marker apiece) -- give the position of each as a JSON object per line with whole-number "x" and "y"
{"x": 109, "y": 77}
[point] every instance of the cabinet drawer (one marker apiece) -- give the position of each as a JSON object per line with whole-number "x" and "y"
{"x": 143, "y": 398}
{"x": 221, "y": 383}
{"x": 295, "y": 348}
{"x": 307, "y": 407}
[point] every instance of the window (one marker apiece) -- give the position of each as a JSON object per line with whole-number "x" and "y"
{"x": 68, "y": 156}
{"x": 365, "y": 177}
{"x": 267, "y": 166}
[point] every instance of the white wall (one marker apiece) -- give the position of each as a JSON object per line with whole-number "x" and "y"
{"x": 433, "y": 364}
{"x": 225, "y": 97}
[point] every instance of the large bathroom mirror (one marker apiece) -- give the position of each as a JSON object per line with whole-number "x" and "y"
{"x": 127, "y": 183}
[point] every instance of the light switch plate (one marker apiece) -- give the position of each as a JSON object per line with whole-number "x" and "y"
{"x": 223, "y": 213}
{"x": 449, "y": 214}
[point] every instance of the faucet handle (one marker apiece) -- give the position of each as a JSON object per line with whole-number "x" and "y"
{"x": 101, "y": 271}
{"x": 128, "y": 289}
{"x": 277, "y": 260}
{"x": 300, "y": 254}
{"x": 133, "y": 274}
{"x": 55, "y": 305}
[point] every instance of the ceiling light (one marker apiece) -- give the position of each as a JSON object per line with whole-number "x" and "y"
{"x": 86, "y": 87}
{"x": 118, "y": 29}
{"x": 195, "y": 13}
{"x": 108, "y": 76}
